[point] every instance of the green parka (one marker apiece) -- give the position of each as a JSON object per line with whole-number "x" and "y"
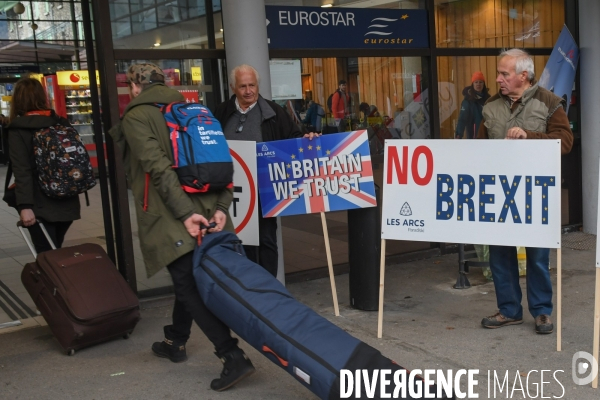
{"x": 143, "y": 138}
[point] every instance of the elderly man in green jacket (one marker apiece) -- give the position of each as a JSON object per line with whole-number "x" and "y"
{"x": 169, "y": 220}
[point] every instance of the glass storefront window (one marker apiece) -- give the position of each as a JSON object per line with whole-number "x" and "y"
{"x": 454, "y": 79}
{"x": 388, "y": 98}
{"x": 397, "y": 4}
{"x": 488, "y": 23}
{"x": 162, "y": 24}
{"x": 389, "y": 95}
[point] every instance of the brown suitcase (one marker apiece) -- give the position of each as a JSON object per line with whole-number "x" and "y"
{"x": 80, "y": 294}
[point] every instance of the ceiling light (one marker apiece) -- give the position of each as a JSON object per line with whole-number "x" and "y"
{"x": 327, "y": 5}
{"x": 156, "y": 44}
{"x": 19, "y": 8}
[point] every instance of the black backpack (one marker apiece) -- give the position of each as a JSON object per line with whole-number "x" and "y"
{"x": 62, "y": 162}
{"x": 330, "y": 100}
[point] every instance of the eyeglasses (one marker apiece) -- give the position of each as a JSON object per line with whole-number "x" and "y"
{"x": 240, "y": 127}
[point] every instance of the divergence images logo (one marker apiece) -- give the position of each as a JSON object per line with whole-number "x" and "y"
{"x": 405, "y": 210}
{"x": 580, "y": 367}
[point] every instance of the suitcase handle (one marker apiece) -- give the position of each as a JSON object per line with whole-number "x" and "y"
{"x": 202, "y": 226}
{"x": 29, "y": 243}
{"x": 34, "y": 276}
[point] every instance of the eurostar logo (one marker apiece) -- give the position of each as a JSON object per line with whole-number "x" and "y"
{"x": 379, "y": 23}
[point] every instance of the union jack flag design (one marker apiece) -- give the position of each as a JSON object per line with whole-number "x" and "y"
{"x": 328, "y": 173}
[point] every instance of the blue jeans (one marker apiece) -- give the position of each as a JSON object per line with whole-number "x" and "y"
{"x": 505, "y": 271}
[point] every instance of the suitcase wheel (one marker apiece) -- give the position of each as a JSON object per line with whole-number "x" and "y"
{"x": 70, "y": 352}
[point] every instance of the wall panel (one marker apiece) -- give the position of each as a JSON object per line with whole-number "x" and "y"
{"x": 499, "y": 23}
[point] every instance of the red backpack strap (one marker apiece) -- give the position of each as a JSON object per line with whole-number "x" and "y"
{"x": 146, "y": 189}
{"x": 45, "y": 113}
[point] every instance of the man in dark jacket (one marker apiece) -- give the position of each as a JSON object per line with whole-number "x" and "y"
{"x": 249, "y": 116}
{"x": 169, "y": 220}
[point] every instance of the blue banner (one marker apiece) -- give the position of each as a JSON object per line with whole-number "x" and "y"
{"x": 328, "y": 173}
{"x": 346, "y": 28}
{"x": 559, "y": 74}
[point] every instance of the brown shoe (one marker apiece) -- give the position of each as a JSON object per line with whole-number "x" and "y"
{"x": 498, "y": 321}
{"x": 543, "y": 324}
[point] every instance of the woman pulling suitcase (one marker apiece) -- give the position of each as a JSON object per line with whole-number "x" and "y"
{"x": 29, "y": 112}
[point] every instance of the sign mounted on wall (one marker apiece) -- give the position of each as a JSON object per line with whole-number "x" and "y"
{"x": 286, "y": 79}
{"x": 75, "y": 78}
{"x": 345, "y": 28}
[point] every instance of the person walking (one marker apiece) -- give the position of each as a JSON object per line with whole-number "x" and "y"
{"x": 29, "y": 113}
{"x": 170, "y": 220}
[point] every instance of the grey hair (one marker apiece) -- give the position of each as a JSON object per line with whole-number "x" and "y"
{"x": 524, "y": 62}
{"x": 243, "y": 68}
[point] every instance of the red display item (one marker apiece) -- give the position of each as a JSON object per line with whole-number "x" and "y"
{"x": 56, "y": 96}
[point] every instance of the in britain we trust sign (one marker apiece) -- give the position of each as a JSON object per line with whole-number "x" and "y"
{"x": 502, "y": 192}
{"x": 328, "y": 173}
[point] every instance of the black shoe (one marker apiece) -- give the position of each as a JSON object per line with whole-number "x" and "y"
{"x": 498, "y": 320}
{"x": 543, "y": 324}
{"x": 171, "y": 350}
{"x": 236, "y": 366}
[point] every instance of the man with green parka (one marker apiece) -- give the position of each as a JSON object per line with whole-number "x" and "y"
{"x": 169, "y": 220}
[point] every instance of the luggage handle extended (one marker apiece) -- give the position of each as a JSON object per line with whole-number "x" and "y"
{"x": 29, "y": 243}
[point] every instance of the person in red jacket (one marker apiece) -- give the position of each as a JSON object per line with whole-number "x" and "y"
{"x": 340, "y": 106}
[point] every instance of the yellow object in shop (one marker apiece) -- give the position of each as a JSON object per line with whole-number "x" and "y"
{"x": 483, "y": 254}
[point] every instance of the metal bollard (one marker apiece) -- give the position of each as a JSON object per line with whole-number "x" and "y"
{"x": 364, "y": 252}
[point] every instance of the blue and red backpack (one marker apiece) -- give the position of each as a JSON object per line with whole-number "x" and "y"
{"x": 200, "y": 151}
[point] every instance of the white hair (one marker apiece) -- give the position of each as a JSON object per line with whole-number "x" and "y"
{"x": 243, "y": 68}
{"x": 524, "y": 62}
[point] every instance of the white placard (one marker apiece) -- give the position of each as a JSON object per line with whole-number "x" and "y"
{"x": 244, "y": 207}
{"x": 502, "y": 192}
{"x": 286, "y": 79}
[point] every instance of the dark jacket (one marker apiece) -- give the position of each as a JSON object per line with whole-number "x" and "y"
{"x": 470, "y": 115}
{"x": 276, "y": 123}
{"x": 28, "y": 191}
{"x": 143, "y": 138}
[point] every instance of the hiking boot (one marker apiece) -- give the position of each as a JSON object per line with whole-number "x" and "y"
{"x": 543, "y": 324}
{"x": 498, "y": 321}
{"x": 170, "y": 349}
{"x": 236, "y": 366}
